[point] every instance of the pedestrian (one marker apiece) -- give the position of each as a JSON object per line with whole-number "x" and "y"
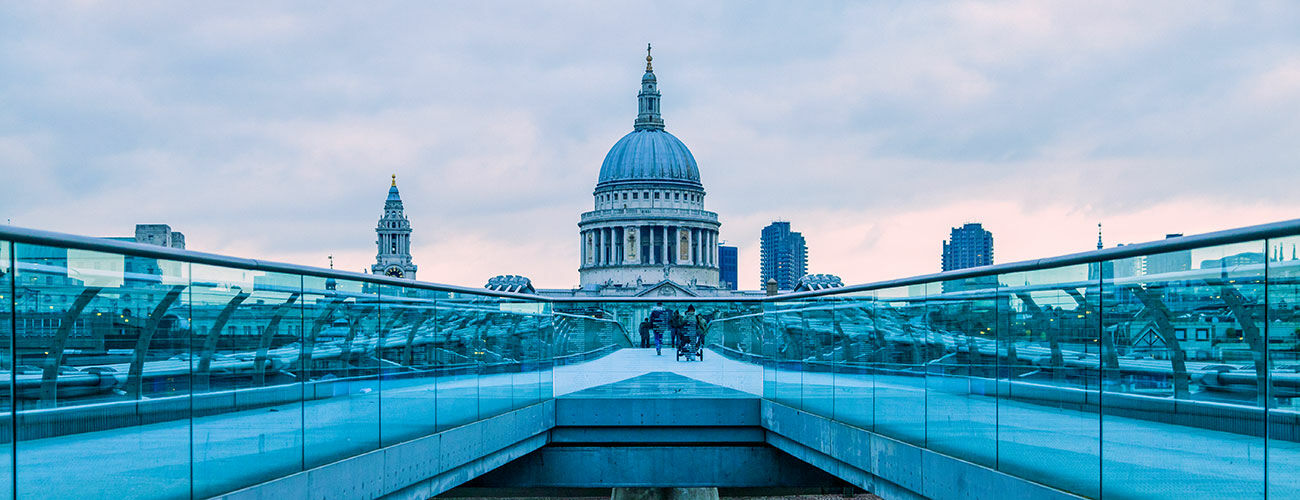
{"x": 659, "y": 323}
{"x": 645, "y": 333}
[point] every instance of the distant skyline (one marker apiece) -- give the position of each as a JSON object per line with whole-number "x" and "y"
{"x": 270, "y": 131}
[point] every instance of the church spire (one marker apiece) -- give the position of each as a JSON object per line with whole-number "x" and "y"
{"x": 1098, "y": 236}
{"x": 647, "y": 117}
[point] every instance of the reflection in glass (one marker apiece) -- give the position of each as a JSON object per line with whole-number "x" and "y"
{"x": 248, "y": 403}
{"x": 1185, "y": 331}
{"x": 7, "y": 368}
{"x": 862, "y": 345}
{"x": 1283, "y": 341}
{"x": 900, "y": 317}
{"x": 961, "y": 401}
{"x": 408, "y": 399}
{"x": 110, "y": 331}
{"x": 341, "y": 389}
{"x": 1049, "y": 361}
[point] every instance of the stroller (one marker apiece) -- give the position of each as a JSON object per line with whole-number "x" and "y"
{"x": 691, "y": 347}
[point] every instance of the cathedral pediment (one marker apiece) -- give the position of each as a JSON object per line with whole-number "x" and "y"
{"x": 667, "y": 288}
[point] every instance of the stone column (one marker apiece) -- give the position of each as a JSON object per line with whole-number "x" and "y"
{"x": 713, "y": 248}
{"x": 695, "y": 247}
{"x": 667, "y": 258}
{"x": 604, "y": 247}
{"x": 631, "y": 244}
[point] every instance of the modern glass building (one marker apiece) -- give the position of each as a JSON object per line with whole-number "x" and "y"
{"x": 728, "y": 266}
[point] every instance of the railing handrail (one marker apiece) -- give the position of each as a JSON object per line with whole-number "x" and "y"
{"x": 72, "y": 241}
{"x": 1225, "y": 237}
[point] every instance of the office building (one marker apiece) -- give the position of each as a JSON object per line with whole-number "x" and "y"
{"x": 784, "y": 256}
{"x": 968, "y": 246}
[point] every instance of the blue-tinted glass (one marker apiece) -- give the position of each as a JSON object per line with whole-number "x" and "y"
{"x": 900, "y": 379}
{"x": 104, "y": 334}
{"x": 496, "y": 352}
{"x": 248, "y": 403}
{"x": 961, "y": 398}
{"x": 460, "y": 322}
{"x": 1048, "y": 352}
{"x": 785, "y": 322}
{"x": 409, "y": 395}
{"x": 1181, "y": 412}
{"x": 821, "y": 338}
{"x": 341, "y": 390}
{"x": 6, "y": 366}
{"x": 1283, "y": 341}
{"x": 861, "y": 345}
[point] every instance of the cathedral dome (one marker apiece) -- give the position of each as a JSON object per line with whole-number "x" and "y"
{"x": 649, "y": 155}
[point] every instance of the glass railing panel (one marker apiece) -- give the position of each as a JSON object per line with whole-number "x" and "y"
{"x": 1048, "y": 373}
{"x": 102, "y": 374}
{"x": 460, "y": 322}
{"x": 822, "y": 340}
{"x": 961, "y": 397}
{"x": 1283, "y": 352}
{"x": 497, "y": 354}
{"x": 590, "y": 337}
{"x": 248, "y": 399}
{"x": 6, "y": 368}
{"x": 790, "y": 350}
{"x": 341, "y": 388}
{"x": 860, "y": 349}
{"x": 408, "y": 396}
{"x": 732, "y": 343}
{"x": 1174, "y": 414}
{"x": 532, "y": 334}
{"x": 900, "y": 375}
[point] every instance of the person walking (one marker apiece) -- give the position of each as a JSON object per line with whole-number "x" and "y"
{"x": 659, "y": 323}
{"x": 645, "y": 333}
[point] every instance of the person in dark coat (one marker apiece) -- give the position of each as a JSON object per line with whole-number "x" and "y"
{"x": 676, "y": 323}
{"x": 659, "y": 323}
{"x": 645, "y": 333}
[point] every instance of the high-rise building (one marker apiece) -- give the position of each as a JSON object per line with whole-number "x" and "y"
{"x": 1169, "y": 262}
{"x": 968, "y": 246}
{"x": 394, "y": 230}
{"x": 784, "y": 256}
{"x": 728, "y": 263}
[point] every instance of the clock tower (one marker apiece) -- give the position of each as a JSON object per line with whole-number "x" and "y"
{"x": 394, "y": 258}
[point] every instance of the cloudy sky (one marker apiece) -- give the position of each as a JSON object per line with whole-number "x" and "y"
{"x": 874, "y": 127}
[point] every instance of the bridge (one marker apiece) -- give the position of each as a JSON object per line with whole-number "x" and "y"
{"x": 148, "y": 372}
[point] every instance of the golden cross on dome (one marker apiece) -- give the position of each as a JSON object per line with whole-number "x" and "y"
{"x": 648, "y": 68}
{"x": 394, "y": 180}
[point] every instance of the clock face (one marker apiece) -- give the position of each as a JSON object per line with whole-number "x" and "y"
{"x": 394, "y": 271}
